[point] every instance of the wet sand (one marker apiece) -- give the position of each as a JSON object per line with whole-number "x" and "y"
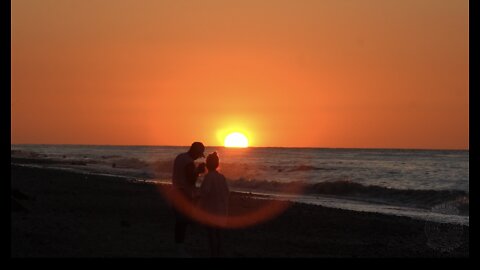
{"x": 57, "y": 213}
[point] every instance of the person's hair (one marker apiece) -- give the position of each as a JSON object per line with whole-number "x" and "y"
{"x": 197, "y": 147}
{"x": 212, "y": 161}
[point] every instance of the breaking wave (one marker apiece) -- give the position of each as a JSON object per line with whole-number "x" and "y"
{"x": 411, "y": 197}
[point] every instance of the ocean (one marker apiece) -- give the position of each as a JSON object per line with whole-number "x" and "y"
{"x": 423, "y": 184}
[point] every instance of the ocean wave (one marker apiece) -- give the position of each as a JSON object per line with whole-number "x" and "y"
{"x": 308, "y": 168}
{"x": 132, "y": 163}
{"x": 26, "y": 154}
{"x": 162, "y": 166}
{"x": 409, "y": 197}
{"x": 110, "y": 156}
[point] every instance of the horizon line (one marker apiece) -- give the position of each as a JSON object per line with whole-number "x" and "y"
{"x": 220, "y": 146}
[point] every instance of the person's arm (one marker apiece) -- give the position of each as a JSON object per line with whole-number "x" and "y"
{"x": 205, "y": 188}
{"x": 191, "y": 174}
{"x": 227, "y": 189}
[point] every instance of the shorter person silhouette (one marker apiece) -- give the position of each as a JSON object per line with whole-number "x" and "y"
{"x": 214, "y": 195}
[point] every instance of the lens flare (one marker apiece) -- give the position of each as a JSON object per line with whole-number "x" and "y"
{"x": 251, "y": 211}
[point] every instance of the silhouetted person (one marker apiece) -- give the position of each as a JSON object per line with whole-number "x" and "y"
{"x": 214, "y": 195}
{"x": 184, "y": 178}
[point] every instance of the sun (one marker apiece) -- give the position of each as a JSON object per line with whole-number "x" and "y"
{"x": 236, "y": 139}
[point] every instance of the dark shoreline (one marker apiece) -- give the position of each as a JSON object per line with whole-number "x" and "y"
{"x": 70, "y": 214}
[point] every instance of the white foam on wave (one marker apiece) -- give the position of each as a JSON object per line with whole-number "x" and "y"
{"x": 360, "y": 206}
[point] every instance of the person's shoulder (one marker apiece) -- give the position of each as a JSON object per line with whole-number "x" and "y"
{"x": 184, "y": 157}
{"x": 184, "y": 154}
{"x": 211, "y": 175}
{"x": 207, "y": 176}
{"x": 221, "y": 176}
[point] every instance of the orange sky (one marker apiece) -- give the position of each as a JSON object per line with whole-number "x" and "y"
{"x": 339, "y": 73}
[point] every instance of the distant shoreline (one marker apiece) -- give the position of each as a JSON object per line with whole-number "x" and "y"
{"x": 255, "y": 147}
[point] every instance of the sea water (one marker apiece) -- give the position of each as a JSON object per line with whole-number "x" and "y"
{"x": 407, "y": 182}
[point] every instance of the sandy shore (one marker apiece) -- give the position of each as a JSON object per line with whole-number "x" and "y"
{"x": 62, "y": 214}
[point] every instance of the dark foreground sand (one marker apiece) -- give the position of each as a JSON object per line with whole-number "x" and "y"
{"x": 63, "y": 214}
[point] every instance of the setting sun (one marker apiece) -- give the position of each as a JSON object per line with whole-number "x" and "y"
{"x": 236, "y": 139}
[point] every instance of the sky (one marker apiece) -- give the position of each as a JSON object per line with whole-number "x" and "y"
{"x": 298, "y": 73}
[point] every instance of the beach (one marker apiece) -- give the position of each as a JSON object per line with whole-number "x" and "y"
{"x": 57, "y": 213}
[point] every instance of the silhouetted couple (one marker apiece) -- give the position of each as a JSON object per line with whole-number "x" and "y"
{"x": 212, "y": 196}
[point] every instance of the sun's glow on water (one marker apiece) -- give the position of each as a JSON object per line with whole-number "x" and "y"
{"x": 236, "y": 139}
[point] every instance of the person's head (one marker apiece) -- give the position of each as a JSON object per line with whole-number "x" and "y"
{"x": 212, "y": 162}
{"x": 196, "y": 150}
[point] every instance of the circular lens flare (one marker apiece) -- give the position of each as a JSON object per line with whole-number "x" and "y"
{"x": 243, "y": 212}
{"x": 236, "y": 139}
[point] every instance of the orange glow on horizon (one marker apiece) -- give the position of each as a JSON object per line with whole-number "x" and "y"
{"x": 340, "y": 74}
